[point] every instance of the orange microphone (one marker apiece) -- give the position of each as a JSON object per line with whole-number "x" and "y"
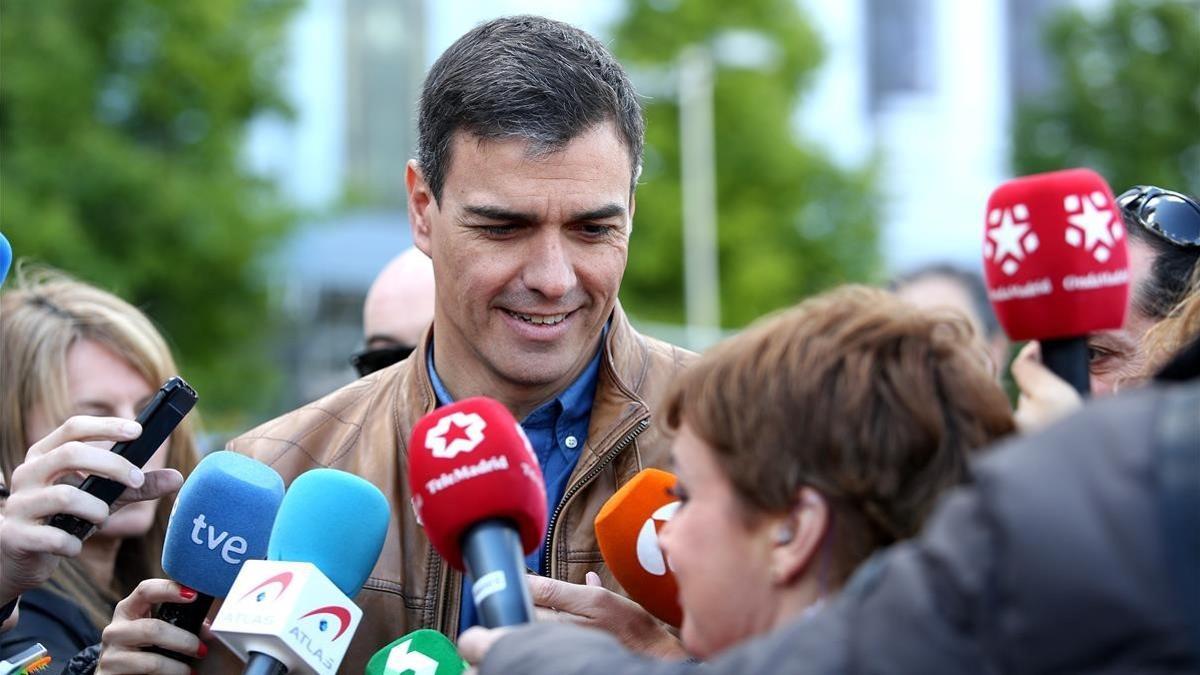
{"x": 627, "y": 529}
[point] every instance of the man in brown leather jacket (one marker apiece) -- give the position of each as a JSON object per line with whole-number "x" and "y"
{"x": 530, "y": 148}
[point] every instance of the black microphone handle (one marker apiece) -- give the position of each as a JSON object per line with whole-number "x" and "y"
{"x": 263, "y": 664}
{"x": 493, "y": 547}
{"x": 1068, "y": 358}
{"x": 188, "y": 616}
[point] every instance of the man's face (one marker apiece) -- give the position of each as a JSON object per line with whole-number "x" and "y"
{"x": 528, "y": 253}
{"x": 1115, "y": 357}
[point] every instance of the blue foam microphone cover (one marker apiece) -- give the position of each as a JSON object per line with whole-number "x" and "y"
{"x": 5, "y": 258}
{"x": 334, "y": 520}
{"x": 222, "y": 517}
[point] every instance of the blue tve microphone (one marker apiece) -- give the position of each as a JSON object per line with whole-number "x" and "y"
{"x": 222, "y": 517}
{"x": 5, "y": 258}
{"x": 293, "y": 611}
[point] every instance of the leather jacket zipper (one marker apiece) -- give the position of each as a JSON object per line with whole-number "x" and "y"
{"x": 447, "y": 574}
{"x": 642, "y": 425}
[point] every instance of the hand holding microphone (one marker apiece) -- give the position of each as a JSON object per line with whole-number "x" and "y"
{"x": 627, "y": 531}
{"x": 1056, "y": 265}
{"x": 123, "y": 642}
{"x": 222, "y": 517}
{"x": 479, "y": 493}
{"x": 1045, "y": 397}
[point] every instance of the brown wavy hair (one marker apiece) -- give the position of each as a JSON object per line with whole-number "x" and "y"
{"x": 873, "y": 402}
{"x": 44, "y": 314}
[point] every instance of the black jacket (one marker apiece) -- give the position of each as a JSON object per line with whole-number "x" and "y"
{"x": 56, "y": 622}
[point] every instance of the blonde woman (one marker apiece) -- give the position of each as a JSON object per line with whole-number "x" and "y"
{"x": 76, "y": 363}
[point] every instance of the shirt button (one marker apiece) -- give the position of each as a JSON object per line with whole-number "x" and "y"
{"x": 571, "y": 442}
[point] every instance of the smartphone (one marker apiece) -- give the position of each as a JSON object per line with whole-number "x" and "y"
{"x": 159, "y": 418}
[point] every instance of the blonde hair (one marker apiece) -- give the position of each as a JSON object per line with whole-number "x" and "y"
{"x": 1178, "y": 329}
{"x": 41, "y": 317}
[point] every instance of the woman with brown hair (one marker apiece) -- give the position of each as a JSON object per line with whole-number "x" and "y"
{"x": 803, "y": 445}
{"x": 74, "y": 356}
{"x": 807, "y": 443}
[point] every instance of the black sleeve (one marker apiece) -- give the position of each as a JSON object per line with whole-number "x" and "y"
{"x": 7, "y": 610}
{"x": 84, "y": 663}
{"x": 58, "y": 624}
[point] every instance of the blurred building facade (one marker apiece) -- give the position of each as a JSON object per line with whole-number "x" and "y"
{"x": 353, "y": 76}
{"x": 928, "y": 89}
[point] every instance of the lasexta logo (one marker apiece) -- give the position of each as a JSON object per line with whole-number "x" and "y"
{"x": 649, "y": 552}
{"x": 455, "y": 433}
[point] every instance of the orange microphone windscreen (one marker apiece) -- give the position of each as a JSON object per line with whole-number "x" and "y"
{"x": 627, "y": 529}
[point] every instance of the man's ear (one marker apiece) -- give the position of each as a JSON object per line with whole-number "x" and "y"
{"x": 798, "y": 537}
{"x": 632, "y": 208}
{"x": 421, "y": 205}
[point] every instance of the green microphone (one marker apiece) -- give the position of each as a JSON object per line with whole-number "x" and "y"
{"x": 421, "y": 652}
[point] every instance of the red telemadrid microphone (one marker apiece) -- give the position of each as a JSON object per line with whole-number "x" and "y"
{"x": 1056, "y": 265}
{"x": 478, "y": 491}
{"x": 627, "y": 530}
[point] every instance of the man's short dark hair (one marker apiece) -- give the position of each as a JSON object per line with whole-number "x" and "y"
{"x": 524, "y": 77}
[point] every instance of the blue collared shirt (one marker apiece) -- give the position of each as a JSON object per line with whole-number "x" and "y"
{"x": 557, "y": 430}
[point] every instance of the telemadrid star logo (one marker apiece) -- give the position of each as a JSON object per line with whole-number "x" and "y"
{"x": 454, "y": 434}
{"x": 1009, "y": 239}
{"x": 1092, "y": 224}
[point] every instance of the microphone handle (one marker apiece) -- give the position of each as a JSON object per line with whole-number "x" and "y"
{"x": 264, "y": 664}
{"x": 492, "y": 552}
{"x": 1068, "y": 358}
{"x": 188, "y": 616}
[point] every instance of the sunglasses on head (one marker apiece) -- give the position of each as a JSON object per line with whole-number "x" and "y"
{"x": 1169, "y": 214}
{"x": 370, "y": 360}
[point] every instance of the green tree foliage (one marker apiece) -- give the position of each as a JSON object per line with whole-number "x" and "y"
{"x": 121, "y": 124}
{"x": 1128, "y": 99}
{"x": 790, "y": 222}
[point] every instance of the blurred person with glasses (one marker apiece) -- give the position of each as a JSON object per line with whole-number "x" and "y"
{"x": 398, "y": 309}
{"x": 1164, "y": 248}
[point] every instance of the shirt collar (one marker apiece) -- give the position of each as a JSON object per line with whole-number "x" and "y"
{"x": 574, "y": 401}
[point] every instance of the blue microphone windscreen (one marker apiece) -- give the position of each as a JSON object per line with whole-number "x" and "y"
{"x": 221, "y": 518}
{"x": 5, "y": 258}
{"x": 334, "y": 520}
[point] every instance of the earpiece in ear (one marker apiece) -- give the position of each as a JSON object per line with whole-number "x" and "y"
{"x": 784, "y": 535}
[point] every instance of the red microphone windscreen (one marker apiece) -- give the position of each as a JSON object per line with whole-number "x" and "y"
{"x": 1054, "y": 256}
{"x": 627, "y": 530}
{"x": 468, "y": 462}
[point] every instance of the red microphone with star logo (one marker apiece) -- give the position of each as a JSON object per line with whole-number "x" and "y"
{"x": 1056, "y": 265}
{"x": 478, "y": 491}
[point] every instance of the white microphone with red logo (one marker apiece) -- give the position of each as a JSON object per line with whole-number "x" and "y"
{"x": 292, "y": 613}
{"x": 1056, "y": 265}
